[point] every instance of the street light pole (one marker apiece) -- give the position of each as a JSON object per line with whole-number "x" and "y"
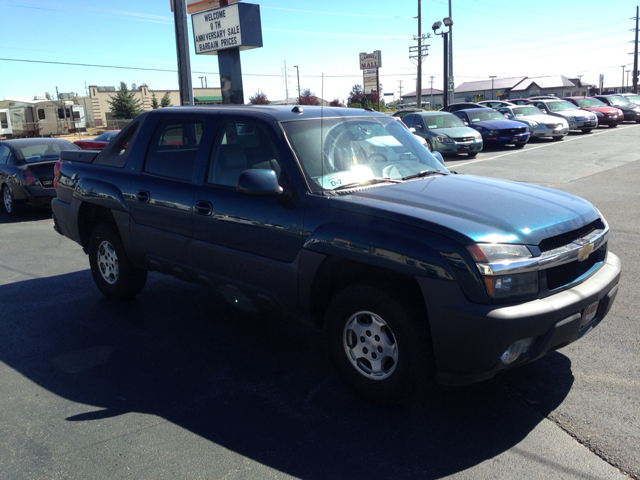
{"x": 492, "y": 77}
{"x": 622, "y": 84}
{"x": 450, "y": 52}
{"x": 445, "y": 36}
{"x": 298, "y": 72}
{"x": 419, "y": 84}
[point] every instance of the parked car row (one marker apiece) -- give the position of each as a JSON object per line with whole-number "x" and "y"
{"x": 455, "y": 129}
{"x": 27, "y": 168}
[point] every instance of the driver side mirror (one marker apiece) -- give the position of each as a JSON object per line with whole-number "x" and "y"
{"x": 543, "y": 110}
{"x": 417, "y": 127}
{"x": 438, "y": 156}
{"x": 259, "y": 183}
{"x": 508, "y": 116}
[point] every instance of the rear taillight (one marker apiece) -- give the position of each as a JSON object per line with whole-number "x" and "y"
{"x": 56, "y": 173}
{"x": 28, "y": 178}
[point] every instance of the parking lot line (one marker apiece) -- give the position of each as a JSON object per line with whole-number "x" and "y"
{"x": 621, "y": 127}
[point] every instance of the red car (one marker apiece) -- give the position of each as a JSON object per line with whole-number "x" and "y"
{"x": 99, "y": 142}
{"x": 607, "y": 115}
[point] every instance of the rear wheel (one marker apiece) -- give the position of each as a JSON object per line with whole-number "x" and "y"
{"x": 114, "y": 275}
{"x": 378, "y": 342}
{"x": 586, "y": 130}
{"x": 8, "y": 202}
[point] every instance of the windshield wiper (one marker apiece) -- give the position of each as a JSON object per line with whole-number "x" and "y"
{"x": 423, "y": 173}
{"x": 364, "y": 183}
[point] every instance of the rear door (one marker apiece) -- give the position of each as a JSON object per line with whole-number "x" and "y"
{"x": 162, "y": 194}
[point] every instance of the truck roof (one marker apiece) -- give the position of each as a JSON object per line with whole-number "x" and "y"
{"x": 281, "y": 112}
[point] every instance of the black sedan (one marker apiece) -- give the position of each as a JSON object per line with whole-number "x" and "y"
{"x": 26, "y": 171}
{"x": 630, "y": 109}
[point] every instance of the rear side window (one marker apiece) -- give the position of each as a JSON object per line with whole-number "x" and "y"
{"x": 174, "y": 147}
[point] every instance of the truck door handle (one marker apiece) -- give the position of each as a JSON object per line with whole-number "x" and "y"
{"x": 143, "y": 196}
{"x": 203, "y": 207}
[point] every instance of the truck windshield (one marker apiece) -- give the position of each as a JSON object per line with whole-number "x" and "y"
{"x": 339, "y": 151}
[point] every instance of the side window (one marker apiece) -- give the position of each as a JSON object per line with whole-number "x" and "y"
{"x": 41, "y": 114}
{"x": 408, "y": 120}
{"x": 67, "y": 111}
{"x": 241, "y": 146}
{"x": 4, "y": 154}
{"x": 61, "y": 113}
{"x": 174, "y": 147}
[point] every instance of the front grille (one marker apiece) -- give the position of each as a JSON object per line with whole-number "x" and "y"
{"x": 464, "y": 139}
{"x": 569, "y": 272}
{"x": 563, "y": 239}
{"x": 553, "y": 125}
{"x": 513, "y": 131}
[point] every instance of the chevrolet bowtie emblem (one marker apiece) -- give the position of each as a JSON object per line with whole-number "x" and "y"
{"x": 585, "y": 251}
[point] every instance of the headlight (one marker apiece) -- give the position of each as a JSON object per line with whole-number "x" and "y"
{"x": 444, "y": 139}
{"x": 503, "y": 286}
{"x": 533, "y": 123}
{"x": 569, "y": 118}
{"x": 599, "y": 114}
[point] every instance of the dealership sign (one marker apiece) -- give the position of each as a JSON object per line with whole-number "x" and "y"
{"x": 370, "y": 60}
{"x": 236, "y": 26}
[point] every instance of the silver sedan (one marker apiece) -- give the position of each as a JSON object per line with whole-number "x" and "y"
{"x": 540, "y": 124}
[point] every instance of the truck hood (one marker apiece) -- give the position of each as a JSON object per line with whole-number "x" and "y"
{"x": 474, "y": 209}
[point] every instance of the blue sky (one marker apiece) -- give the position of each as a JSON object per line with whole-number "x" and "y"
{"x": 134, "y": 42}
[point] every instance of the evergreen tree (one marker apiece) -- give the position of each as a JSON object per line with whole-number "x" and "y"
{"x": 166, "y": 100}
{"x": 154, "y": 101}
{"x": 125, "y": 104}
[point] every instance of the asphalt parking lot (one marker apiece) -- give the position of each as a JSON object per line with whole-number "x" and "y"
{"x": 179, "y": 384}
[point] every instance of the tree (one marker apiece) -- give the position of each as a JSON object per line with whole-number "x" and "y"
{"x": 308, "y": 98}
{"x": 259, "y": 98}
{"x": 125, "y": 104}
{"x": 336, "y": 103}
{"x": 154, "y": 101}
{"x": 166, "y": 100}
{"x": 357, "y": 96}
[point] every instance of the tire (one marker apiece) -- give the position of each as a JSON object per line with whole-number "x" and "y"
{"x": 112, "y": 271}
{"x": 613, "y": 125}
{"x": 429, "y": 146}
{"x": 378, "y": 343}
{"x": 558, "y": 139}
{"x": 8, "y": 202}
{"x": 472, "y": 154}
{"x": 520, "y": 146}
{"x": 587, "y": 130}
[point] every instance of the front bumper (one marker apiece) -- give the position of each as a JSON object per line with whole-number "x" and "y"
{"x": 545, "y": 131}
{"x": 469, "y": 339}
{"x": 507, "y": 139}
{"x": 457, "y": 147}
{"x": 580, "y": 124}
{"x": 631, "y": 116}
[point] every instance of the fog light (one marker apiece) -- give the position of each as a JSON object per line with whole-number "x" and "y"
{"x": 515, "y": 350}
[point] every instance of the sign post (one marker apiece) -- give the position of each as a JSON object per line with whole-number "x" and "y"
{"x": 370, "y": 64}
{"x": 225, "y": 31}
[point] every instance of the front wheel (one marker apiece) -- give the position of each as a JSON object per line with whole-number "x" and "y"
{"x": 429, "y": 146}
{"x": 472, "y": 154}
{"x": 613, "y": 125}
{"x": 558, "y": 139}
{"x": 114, "y": 275}
{"x": 586, "y": 130}
{"x": 520, "y": 145}
{"x": 378, "y": 342}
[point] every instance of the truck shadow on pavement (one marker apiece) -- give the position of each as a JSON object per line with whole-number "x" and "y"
{"x": 258, "y": 385}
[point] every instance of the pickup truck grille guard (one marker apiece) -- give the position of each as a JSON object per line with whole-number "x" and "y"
{"x": 563, "y": 265}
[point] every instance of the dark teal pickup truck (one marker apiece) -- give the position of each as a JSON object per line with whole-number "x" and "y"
{"x": 343, "y": 219}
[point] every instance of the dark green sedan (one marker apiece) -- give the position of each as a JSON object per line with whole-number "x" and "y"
{"x": 444, "y": 132}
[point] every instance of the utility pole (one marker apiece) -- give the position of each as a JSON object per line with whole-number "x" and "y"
{"x": 419, "y": 85}
{"x": 400, "y": 90}
{"x": 431, "y": 103}
{"x": 635, "y": 56}
{"x": 286, "y": 82}
{"x": 450, "y": 55}
{"x": 622, "y": 84}
{"x": 201, "y": 82}
{"x": 298, "y": 72}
